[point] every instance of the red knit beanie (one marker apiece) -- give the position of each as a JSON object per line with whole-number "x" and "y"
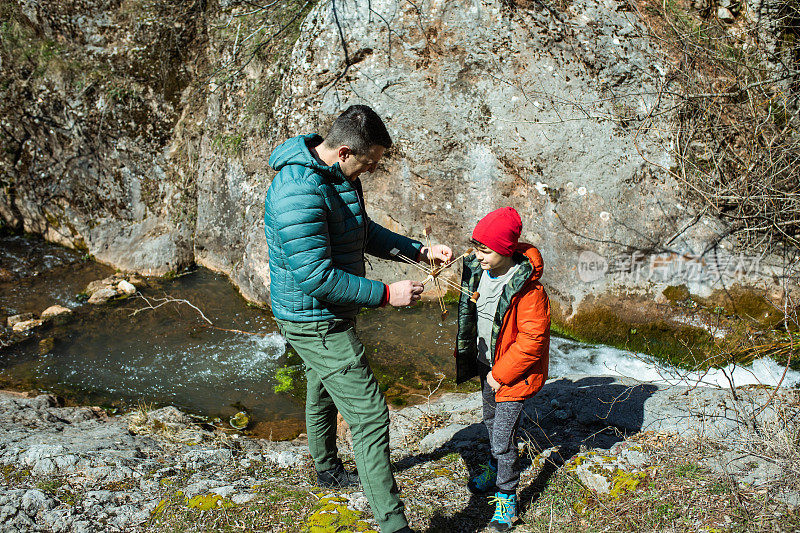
{"x": 499, "y": 230}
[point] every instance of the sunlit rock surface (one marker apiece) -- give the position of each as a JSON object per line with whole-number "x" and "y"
{"x": 130, "y": 143}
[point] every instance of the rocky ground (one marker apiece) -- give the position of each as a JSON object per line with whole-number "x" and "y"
{"x": 597, "y": 453}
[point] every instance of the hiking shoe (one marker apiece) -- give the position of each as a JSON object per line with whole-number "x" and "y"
{"x": 505, "y": 511}
{"x": 483, "y": 483}
{"x": 337, "y": 478}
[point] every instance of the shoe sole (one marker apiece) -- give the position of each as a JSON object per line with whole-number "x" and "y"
{"x": 500, "y": 527}
{"x": 488, "y": 490}
{"x": 337, "y": 485}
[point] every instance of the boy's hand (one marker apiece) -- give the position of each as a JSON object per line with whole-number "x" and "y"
{"x": 404, "y": 292}
{"x": 438, "y": 253}
{"x": 492, "y": 382}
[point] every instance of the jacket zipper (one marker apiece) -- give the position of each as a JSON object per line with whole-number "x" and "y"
{"x": 363, "y": 205}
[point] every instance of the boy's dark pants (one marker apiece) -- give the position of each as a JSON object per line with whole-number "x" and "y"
{"x": 340, "y": 379}
{"x": 502, "y": 420}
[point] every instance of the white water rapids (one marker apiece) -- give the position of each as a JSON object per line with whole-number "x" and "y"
{"x": 568, "y": 357}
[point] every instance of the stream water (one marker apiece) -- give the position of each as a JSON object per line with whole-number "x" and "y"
{"x": 124, "y": 354}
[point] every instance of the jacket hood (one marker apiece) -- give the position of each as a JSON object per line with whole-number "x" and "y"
{"x": 532, "y": 254}
{"x": 295, "y": 151}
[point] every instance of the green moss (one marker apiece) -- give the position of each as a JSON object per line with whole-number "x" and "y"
{"x": 397, "y": 401}
{"x": 49, "y": 485}
{"x": 451, "y": 458}
{"x": 451, "y": 298}
{"x": 676, "y": 293}
{"x": 290, "y": 377}
{"x": 13, "y": 475}
{"x": 680, "y": 345}
{"x": 688, "y": 470}
{"x": 229, "y": 144}
{"x": 747, "y": 304}
{"x": 287, "y": 377}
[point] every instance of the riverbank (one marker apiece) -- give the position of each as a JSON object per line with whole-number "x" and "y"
{"x": 597, "y": 452}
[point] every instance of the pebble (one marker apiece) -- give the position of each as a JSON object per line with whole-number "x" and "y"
{"x": 55, "y": 311}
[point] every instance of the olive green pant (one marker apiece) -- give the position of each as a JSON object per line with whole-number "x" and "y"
{"x": 340, "y": 379}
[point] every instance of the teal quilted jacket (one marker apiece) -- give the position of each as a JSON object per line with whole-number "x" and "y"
{"x": 318, "y": 232}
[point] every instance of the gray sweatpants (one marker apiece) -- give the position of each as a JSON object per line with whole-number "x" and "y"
{"x": 502, "y": 421}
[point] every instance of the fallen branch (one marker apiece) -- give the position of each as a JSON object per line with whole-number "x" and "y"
{"x": 164, "y": 301}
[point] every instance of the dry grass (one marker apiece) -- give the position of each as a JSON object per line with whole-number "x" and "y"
{"x": 680, "y": 493}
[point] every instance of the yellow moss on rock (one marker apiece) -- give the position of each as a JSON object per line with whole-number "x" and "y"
{"x": 204, "y": 502}
{"x": 332, "y": 515}
{"x": 623, "y": 482}
{"x": 160, "y": 508}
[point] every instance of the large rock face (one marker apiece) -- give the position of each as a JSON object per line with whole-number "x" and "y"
{"x": 142, "y": 134}
{"x": 92, "y": 96}
{"x": 492, "y": 106}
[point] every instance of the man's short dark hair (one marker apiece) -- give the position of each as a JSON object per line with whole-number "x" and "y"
{"x": 359, "y": 127}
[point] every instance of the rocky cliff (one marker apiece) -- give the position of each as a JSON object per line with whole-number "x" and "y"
{"x": 139, "y": 131}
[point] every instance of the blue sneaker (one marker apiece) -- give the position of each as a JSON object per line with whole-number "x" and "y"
{"x": 483, "y": 483}
{"x": 505, "y": 511}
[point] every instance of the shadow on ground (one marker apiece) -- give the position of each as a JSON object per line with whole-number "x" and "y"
{"x": 566, "y": 416}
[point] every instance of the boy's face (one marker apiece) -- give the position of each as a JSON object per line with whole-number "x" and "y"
{"x": 491, "y": 260}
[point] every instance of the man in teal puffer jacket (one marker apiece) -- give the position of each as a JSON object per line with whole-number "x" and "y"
{"x": 318, "y": 232}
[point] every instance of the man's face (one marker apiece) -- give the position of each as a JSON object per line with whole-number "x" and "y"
{"x": 354, "y": 165}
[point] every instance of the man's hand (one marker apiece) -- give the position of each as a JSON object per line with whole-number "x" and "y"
{"x": 404, "y": 292}
{"x": 492, "y": 382}
{"x": 439, "y": 253}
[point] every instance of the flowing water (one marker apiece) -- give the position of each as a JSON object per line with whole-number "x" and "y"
{"x": 126, "y": 353}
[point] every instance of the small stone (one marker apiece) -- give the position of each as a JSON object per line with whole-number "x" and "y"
{"x": 56, "y": 312}
{"x": 285, "y": 458}
{"x": 126, "y": 288}
{"x": 103, "y": 295}
{"x": 561, "y": 414}
{"x": 81, "y": 526}
{"x": 225, "y": 491}
{"x": 99, "y": 496}
{"x": 97, "y": 285}
{"x": 35, "y": 500}
{"x": 240, "y": 420}
{"x": 27, "y": 325}
{"x": 724, "y": 14}
{"x": 22, "y": 317}
{"x": 593, "y": 481}
{"x": 57, "y": 521}
{"x": 170, "y": 415}
{"x": 240, "y": 499}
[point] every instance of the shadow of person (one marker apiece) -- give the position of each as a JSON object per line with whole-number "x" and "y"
{"x": 565, "y": 417}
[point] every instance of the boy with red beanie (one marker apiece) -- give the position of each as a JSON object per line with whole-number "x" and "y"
{"x": 504, "y": 338}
